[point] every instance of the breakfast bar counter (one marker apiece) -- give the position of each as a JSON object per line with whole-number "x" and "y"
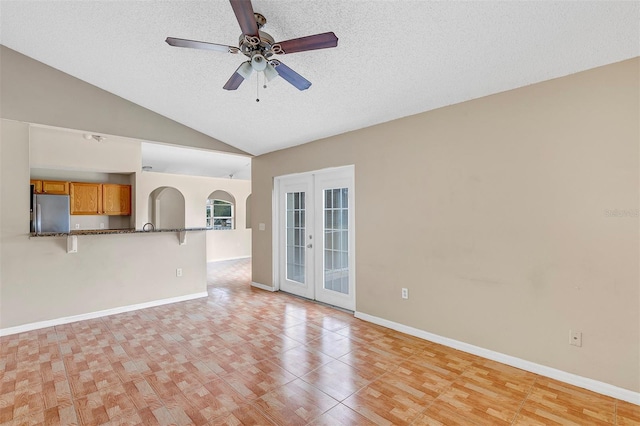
{"x": 72, "y": 237}
{"x": 111, "y": 232}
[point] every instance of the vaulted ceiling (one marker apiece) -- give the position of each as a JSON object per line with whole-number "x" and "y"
{"x": 393, "y": 59}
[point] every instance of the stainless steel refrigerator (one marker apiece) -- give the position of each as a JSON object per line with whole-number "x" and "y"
{"x": 50, "y": 213}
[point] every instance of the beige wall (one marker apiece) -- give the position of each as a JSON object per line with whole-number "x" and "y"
{"x": 41, "y": 281}
{"x": 506, "y": 231}
{"x": 33, "y": 92}
{"x": 68, "y": 150}
{"x": 221, "y": 245}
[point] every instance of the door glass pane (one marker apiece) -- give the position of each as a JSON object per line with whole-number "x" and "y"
{"x": 336, "y": 254}
{"x": 295, "y": 236}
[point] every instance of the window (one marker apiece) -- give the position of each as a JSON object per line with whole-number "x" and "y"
{"x": 220, "y": 210}
{"x": 219, "y": 214}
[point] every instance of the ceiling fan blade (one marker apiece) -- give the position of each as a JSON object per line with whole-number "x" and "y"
{"x": 291, "y": 76}
{"x": 244, "y": 15}
{"x": 312, "y": 42}
{"x": 180, "y": 42}
{"x": 236, "y": 79}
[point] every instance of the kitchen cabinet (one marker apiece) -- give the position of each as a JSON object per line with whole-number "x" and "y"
{"x": 51, "y": 187}
{"x": 100, "y": 199}
{"x": 55, "y": 187}
{"x": 85, "y": 198}
{"x": 37, "y": 186}
{"x": 116, "y": 199}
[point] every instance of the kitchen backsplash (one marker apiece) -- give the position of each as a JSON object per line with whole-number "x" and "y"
{"x": 94, "y": 222}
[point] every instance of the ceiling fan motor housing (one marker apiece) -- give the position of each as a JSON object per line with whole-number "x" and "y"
{"x": 250, "y": 44}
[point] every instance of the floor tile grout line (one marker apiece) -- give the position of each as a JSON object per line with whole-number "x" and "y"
{"x": 368, "y": 382}
{"x": 517, "y": 414}
{"x": 448, "y": 388}
{"x": 66, "y": 374}
{"x": 323, "y": 413}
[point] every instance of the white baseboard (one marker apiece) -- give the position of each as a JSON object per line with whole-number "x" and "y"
{"x": 262, "y": 286}
{"x": 227, "y": 258}
{"x": 91, "y": 315}
{"x": 563, "y": 376}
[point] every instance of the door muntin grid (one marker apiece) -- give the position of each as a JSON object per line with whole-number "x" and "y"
{"x": 295, "y": 227}
{"x": 336, "y": 240}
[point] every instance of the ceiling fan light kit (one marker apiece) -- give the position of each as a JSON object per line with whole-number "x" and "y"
{"x": 260, "y": 47}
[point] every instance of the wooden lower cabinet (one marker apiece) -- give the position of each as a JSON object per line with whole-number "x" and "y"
{"x": 100, "y": 199}
{"x": 116, "y": 199}
{"x": 85, "y": 198}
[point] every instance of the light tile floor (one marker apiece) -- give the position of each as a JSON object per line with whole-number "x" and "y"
{"x": 247, "y": 356}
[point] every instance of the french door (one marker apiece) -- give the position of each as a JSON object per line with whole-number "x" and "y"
{"x": 315, "y": 236}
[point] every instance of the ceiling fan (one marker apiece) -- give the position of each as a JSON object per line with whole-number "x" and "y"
{"x": 260, "y": 48}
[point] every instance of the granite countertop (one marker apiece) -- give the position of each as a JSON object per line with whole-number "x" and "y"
{"x": 112, "y": 231}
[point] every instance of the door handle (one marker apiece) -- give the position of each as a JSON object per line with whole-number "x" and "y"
{"x": 309, "y": 245}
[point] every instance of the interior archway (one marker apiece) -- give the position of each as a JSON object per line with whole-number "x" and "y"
{"x": 167, "y": 208}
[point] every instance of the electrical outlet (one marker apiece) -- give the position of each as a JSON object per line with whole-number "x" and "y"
{"x": 178, "y": 272}
{"x": 405, "y": 293}
{"x": 575, "y": 338}
{"x": 102, "y": 226}
{"x": 77, "y": 226}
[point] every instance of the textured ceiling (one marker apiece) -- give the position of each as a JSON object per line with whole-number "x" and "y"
{"x": 394, "y": 58}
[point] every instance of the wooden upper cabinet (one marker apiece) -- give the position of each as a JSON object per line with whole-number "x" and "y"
{"x": 55, "y": 187}
{"x": 100, "y": 199}
{"x": 116, "y": 199}
{"x": 37, "y": 186}
{"x": 52, "y": 187}
{"x": 85, "y": 198}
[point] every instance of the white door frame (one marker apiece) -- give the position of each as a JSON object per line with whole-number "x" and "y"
{"x": 275, "y": 226}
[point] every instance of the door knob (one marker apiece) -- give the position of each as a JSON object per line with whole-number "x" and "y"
{"x": 309, "y": 245}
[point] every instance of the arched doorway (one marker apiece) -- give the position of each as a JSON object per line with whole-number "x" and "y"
{"x": 166, "y": 208}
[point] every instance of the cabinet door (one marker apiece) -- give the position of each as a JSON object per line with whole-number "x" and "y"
{"x": 116, "y": 199}
{"x": 37, "y": 186}
{"x": 55, "y": 187}
{"x": 86, "y": 198}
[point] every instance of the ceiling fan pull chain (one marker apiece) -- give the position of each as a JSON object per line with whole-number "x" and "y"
{"x": 257, "y": 87}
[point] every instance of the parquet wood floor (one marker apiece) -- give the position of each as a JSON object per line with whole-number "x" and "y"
{"x": 244, "y": 356}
